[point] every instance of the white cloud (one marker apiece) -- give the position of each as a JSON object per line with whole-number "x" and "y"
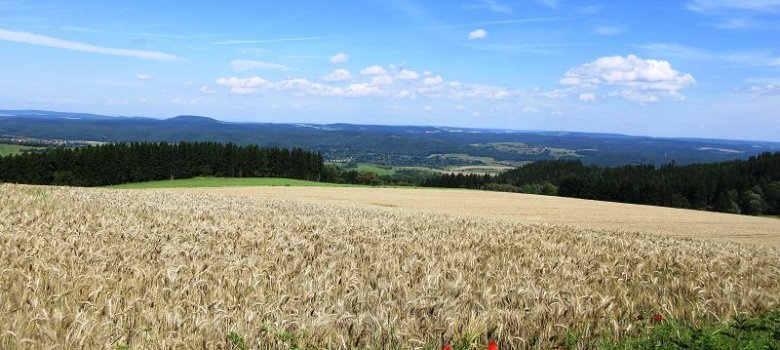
{"x": 382, "y": 80}
{"x": 339, "y": 58}
{"x": 207, "y": 90}
{"x": 403, "y": 84}
{"x": 765, "y": 89}
{"x": 725, "y": 6}
{"x": 180, "y": 101}
{"x": 374, "y": 70}
{"x": 587, "y": 96}
{"x": 478, "y": 34}
{"x": 245, "y": 65}
{"x": 144, "y": 77}
{"x": 406, "y": 74}
{"x": 460, "y": 91}
{"x": 428, "y": 108}
{"x": 252, "y": 85}
{"x": 608, "y": 30}
{"x": 362, "y": 89}
{"x": 556, "y": 94}
{"x": 243, "y": 86}
{"x": 306, "y": 86}
{"x": 42, "y": 40}
{"x": 338, "y": 75}
{"x": 629, "y": 77}
{"x": 433, "y": 80}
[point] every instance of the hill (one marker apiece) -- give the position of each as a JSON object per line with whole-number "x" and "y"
{"x": 224, "y": 182}
{"x": 387, "y": 145}
{"x": 527, "y": 208}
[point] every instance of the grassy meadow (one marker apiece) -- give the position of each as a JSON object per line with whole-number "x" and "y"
{"x": 108, "y": 269}
{"x": 9, "y": 149}
{"x": 376, "y": 169}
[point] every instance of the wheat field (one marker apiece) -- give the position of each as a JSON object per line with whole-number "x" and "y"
{"x": 527, "y": 208}
{"x": 108, "y": 269}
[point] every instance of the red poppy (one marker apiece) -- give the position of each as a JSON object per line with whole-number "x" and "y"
{"x": 446, "y": 347}
{"x": 492, "y": 345}
{"x": 658, "y": 318}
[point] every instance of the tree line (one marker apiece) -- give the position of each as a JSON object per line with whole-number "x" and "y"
{"x": 750, "y": 186}
{"x": 112, "y": 164}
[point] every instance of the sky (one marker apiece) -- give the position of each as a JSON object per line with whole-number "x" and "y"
{"x": 688, "y": 68}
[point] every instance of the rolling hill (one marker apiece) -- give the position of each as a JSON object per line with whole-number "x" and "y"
{"x": 381, "y": 144}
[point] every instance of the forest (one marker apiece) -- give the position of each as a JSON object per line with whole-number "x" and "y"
{"x": 750, "y": 186}
{"x": 112, "y": 164}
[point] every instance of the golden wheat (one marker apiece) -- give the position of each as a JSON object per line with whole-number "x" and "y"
{"x": 527, "y": 208}
{"x": 95, "y": 268}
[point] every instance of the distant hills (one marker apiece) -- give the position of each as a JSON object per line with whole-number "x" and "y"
{"x": 390, "y": 145}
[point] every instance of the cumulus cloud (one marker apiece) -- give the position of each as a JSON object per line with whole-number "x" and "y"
{"x": 629, "y": 77}
{"x": 433, "y": 80}
{"x": 339, "y": 58}
{"x": 398, "y": 84}
{"x": 253, "y": 85}
{"x": 338, "y": 75}
{"x": 245, "y": 65}
{"x": 478, "y": 34}
{"x": 406, "y": 74}
{"x": 144, "y": 77}
{"x": 243, "y": 86}
{"x": 42, "y": 40}
{"x": 362, "y": 89}
{"x": 374, "y": 70}
{"x": 381, "y": 80}
{"x": 587, "y": 96}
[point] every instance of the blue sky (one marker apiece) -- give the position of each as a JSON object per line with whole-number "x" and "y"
{"x": 696, "y": 68}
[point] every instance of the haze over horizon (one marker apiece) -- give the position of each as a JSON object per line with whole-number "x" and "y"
{"x": 698, "y": 68}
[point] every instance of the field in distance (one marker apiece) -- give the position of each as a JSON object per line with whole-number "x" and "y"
{"x": 8, "y": 149}
{"x": 477, "y": 165}
{"x": 526, "y": 208}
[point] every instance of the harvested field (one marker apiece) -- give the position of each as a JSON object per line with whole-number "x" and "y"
{"x": 98, "y": 268}
{"x": 526, "y": 208}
